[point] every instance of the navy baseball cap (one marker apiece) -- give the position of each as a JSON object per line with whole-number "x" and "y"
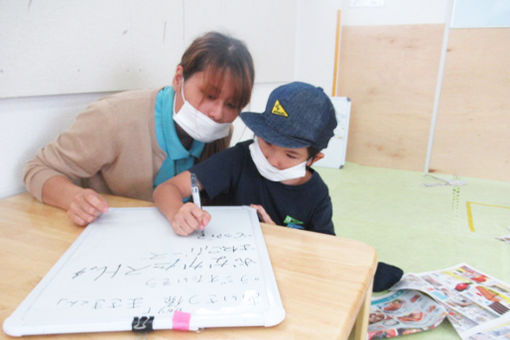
{"x": 297, "y": 115}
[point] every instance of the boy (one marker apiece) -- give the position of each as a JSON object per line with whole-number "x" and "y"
{"x": 270, "y": 173}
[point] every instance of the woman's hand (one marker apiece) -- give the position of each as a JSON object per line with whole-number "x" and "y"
{"x": 262, "y": 214}
{"x": 83, "y": 206}
{"x": 189, "y": 218}
{"x": 86, "y": 205}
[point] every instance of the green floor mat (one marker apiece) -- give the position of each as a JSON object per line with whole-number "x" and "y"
{"x": 419, "y": 224}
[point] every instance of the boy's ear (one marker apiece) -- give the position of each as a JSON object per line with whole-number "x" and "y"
{"x": 317, "y": 157}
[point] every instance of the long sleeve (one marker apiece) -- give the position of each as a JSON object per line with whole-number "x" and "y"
{"x": 79, "y": 152}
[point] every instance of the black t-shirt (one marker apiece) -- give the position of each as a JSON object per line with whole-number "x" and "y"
{"x": 231, "y": 178}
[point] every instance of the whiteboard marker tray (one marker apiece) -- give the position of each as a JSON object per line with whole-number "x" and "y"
{"x": 130, "y": 264}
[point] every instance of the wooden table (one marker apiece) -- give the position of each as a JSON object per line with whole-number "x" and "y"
{"x": 324, "y": 281}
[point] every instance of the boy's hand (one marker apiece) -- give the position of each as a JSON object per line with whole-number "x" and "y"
{"x": 189, "y": 218}
{"x": 262, "y": 214}
{"x": 86, "y": 206}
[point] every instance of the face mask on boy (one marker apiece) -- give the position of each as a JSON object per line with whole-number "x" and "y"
{"x": 270, "y": 172}
{"x": 198, "y": 125}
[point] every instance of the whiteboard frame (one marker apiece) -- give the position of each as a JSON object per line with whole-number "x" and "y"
{"x": 335, "y": 153}
{"x": 14, "y": 325}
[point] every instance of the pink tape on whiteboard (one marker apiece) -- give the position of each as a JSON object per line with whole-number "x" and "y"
{"x": 180, "y": 321}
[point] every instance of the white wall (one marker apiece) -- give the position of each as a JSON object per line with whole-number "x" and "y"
{"x": 60, "y": 47}
{"x": 57, "y": 57}
{"x": 488, "y": 13}
{"x": 29, "y": 123}
{"x": 393, "y": 12}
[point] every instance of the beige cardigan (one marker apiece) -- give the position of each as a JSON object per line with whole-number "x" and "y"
{"x": 111, "y": 148}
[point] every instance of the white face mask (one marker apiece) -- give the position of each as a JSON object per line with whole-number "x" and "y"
{"x": 270, "y": 172}
{"x": 197, "y": 124}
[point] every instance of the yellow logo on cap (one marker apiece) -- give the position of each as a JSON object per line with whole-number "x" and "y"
{"x": 278, "y": 109}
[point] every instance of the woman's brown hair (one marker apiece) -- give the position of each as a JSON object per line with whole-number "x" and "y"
{"x": 218, "y": 54}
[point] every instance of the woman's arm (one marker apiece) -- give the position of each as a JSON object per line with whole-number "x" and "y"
{"x": 83, "y": 206}
{"x": 184, "y": 218}
{"x": 78, "y": 152}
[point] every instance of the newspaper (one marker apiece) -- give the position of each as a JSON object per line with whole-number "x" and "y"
{"x": 475, "y": 302}
{"x": 496, "y": 329}
{"x": 403, "y": 312}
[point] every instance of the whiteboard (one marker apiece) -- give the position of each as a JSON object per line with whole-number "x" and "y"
{"x": 130, "y": 263}
{"x": 334, "y": 154}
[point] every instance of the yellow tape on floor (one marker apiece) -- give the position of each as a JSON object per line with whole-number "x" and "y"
{"x": 470, "y": 213}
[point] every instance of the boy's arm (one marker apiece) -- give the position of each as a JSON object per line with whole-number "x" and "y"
{"x": 262, "y": 214}
{"x": 322, "y": 219}
{"x": 184, "y": 218}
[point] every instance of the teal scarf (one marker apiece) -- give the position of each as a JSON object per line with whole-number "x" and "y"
{"x": 178, "y": 158}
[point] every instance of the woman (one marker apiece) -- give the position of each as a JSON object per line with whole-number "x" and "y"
{"x": 126, "y": 144}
